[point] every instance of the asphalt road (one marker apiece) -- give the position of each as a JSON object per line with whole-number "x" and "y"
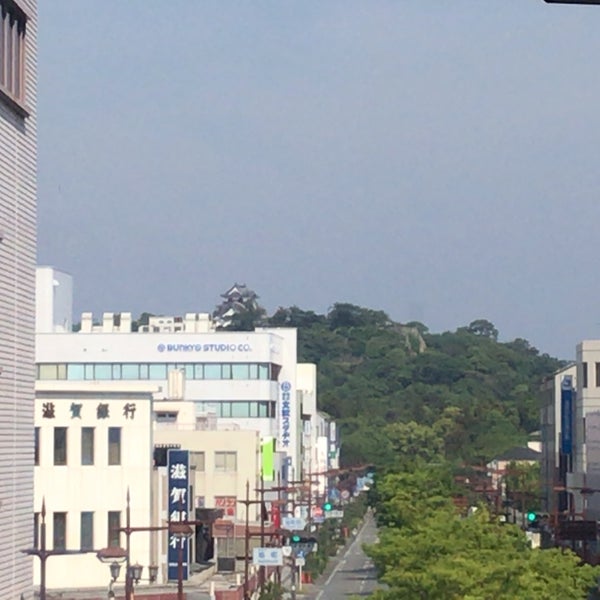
{"x": 353, "y": 573}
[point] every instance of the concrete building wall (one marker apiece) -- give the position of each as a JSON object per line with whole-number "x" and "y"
{"x": 53, "y": 301}
{"x": 77, "y": 487}
{"x": 18, "y": 157}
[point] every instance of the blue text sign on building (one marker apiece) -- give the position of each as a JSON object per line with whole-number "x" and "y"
{"x": 566, "y": 414}
{"x": 286, "y": 413}
{"x": 178, "y": 465}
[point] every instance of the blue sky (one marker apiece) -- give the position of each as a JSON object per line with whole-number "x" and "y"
{"x": 437, "y": 160}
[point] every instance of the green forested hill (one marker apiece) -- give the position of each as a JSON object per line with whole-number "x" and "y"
{"x": 401, "y": 392}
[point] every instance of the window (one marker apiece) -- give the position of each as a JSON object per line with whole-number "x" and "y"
{"x": 598, "y": 374}
{"x": 59, "y": 531}
{"x": 87, "y": 445}
{"x": 130, "y": 372}
{"x": 225, "y": 461}
{"x": 263, "y": 371}
{"x": 584, "y": 377}
{"x": 116, "y": 371}
{"x": 114, "y": 523}
{"x": 240, "y": 409}
{"x": 46, "y": 371}
{"x": 36, "y": 446}
{"x": 198, "y": 371}
{"x": 36, "y": 530}
{"x": 60, "y": 445}
{"x": 75, "y": 372}
{"x": 212, "y": 371}
{"x": 158, "y": 371}
{"x": 166, "y": 417}
{"x": 88, "y": 372}
{"x": 114, "y": 445}
{"x": 87, "y": 531}
{"x": 103, "y": 372}
{"x": 197, "y": 461}
{"x": 239, "y": 372}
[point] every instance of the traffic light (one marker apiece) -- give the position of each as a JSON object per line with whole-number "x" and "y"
{"x": 296, "y": 539}
{"x": 531, "y": 517}
{"x": 327, "y": 506}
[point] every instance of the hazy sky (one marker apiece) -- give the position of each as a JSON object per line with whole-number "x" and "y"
{"x": 438, "y": 159}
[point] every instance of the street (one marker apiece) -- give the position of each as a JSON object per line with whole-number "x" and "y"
{"x": 353, "y": 573}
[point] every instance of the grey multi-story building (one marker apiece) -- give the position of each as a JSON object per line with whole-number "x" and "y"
{"x": 18, "y": 65}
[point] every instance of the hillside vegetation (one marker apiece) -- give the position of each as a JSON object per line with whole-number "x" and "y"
{"x": 402, "y": 392}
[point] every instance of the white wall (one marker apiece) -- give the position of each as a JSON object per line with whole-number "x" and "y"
{"x": 18, "y": 193}
{"x": 98, "y": 488}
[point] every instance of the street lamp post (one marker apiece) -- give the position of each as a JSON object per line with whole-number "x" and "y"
{"x": 116, "y": 554}
{"x": 43, "y": 553}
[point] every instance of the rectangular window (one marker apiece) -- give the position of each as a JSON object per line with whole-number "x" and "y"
{"x": 116, "y": 372}
{"x": 59, "y": 531}
{"x": 61, "y": 371}
{"x": 13, "y": 23}
{"x": 103, "y": 372}
{"x": 114, "y": 445}
{"x": 87, "y": 445}
{"x": 584, "y": 377}
{"x": 158, "y": 371}
{"x": 263, "y": 371}
{"x": 60, "y": 445}
{"x": 240, "y": 410}
{"x": 226, "y": 371}
{"x": 212, "y": 371}
{"x": 197, "y": 461}
{"x": 239, "y": 372}
{"x": 87, "y": 531}
{"x": 189, "y": 371}
{"x": 224, "y": 409}
{"x": 225, "y": 461}
{"x": 47, "y": 371}
{"x": 263, "y": 409}
{"x": 75, "y": 372}
{"x": 88, "y": 372}
{"x": 253, "y": 371}
{"x": 36, "y": 446}
{"x": 130, "y": 372}
{"x": 36, "y": 530}
{"x": 253, "y": 409}
{"x": 114, "y": 523}
{"x": 143, "y": 370}
{"x": 198, "y": 371}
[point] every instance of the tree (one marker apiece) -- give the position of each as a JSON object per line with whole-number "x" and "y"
{"x": 484, "y": 328}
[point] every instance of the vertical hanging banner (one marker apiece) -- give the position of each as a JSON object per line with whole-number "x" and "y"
{"x": 566, "y": 414}
{"x": 178, "y": 464}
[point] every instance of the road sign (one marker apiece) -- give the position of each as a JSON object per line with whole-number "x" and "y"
{"x": 286, "y": 550}
{"x": 334, "y": 514}
{"x": 345, "y": 494}
{"x": 267, "y": 557}
{"x": 293, "y": 523}
{"x": 300, "y": 561}
{"x": 319, "y": 520}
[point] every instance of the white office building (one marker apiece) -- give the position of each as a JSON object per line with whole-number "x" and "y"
{"x": 18, "y": 156}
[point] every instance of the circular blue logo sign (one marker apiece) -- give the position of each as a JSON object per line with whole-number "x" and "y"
{"x": 286, "y": 386}
{"x": 161, "y": 348}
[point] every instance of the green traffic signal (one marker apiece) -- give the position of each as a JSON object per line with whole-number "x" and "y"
{"x": 295, "y": 539}
{"x": 327, "y": 506}
{"x": 531, "y": 516}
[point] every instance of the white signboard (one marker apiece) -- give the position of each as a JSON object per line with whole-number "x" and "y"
{"x": 300, "y": 561}
{"x": 267, "y": 557}
{"x": 293, "y": 523}
{"x": 334, "y": 514}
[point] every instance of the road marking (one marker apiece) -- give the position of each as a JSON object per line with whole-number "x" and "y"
{"x": 340, "y": 564}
